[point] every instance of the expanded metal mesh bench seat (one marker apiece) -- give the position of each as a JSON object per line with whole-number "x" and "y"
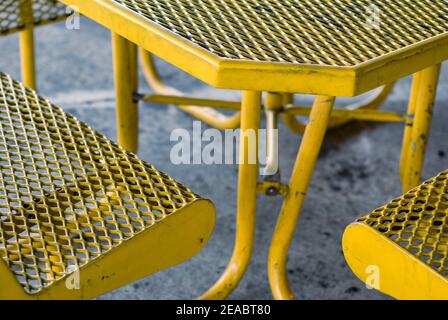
{"x": 80, "y": 216}
{"x": 406, "y": 242}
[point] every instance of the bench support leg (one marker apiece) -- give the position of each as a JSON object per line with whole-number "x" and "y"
{"x": 26, "y": 38}
{"x": 421, "y": 106}
{"x": 300, "y": 179}
{"x": 126, "y": 86}
{"x": 247, "y": 197}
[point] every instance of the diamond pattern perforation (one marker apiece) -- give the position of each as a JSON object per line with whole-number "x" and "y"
{"x": 418, "y": 222}
{"x": 317, "y": 32}
{"x": 67, "y": 193}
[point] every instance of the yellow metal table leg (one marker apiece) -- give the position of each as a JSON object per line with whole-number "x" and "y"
{"x": 416, "y": 134}
{"x": 373, "y": 102}
{"x": 26, "y": 39}
{"x": 208, "y": 115}
{"x": 301, "y": 176}
{"x": 126, "y": 86}
{"x": 247, "y": 196}
{"x": 409, "y": 122}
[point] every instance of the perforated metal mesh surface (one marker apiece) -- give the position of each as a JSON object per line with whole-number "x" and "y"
{"x": 67, "y": 193}
{"x": 12, "y": 17}
{"x": 418, "y": 222}
{"x": 319, "y": 32}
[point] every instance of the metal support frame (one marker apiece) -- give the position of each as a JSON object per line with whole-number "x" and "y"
{"x": 206, "y": 114}
{"x": 126, "y": 86}
{"x": 300, "y": 179}
{"x": 415, "y": 138}
{"x": 363, "y": 110}
{"x": 322, "y": 116}
{"x": 274, "y": 105}
{"x": 203, "y": 109}
{"x": 348, "y": 115}
{"x": 247, "y": 196}
{"x": 26, "y": 38}
{"x": 198, "y": 102}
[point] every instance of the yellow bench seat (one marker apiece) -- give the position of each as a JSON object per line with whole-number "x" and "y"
{"x": 405, "y": 242}
{"x": 80, "y": 216}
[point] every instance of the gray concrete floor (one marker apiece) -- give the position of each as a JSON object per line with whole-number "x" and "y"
{"x": 356, "y": 172}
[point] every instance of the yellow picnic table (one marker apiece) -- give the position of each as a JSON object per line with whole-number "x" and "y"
{"x": 281, "y": 47}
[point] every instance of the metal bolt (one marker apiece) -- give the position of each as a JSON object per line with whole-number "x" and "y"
{"x": 272, "y": 191}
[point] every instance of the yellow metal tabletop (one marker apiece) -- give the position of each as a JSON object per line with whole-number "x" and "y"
{"x": 334, "y": 47}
